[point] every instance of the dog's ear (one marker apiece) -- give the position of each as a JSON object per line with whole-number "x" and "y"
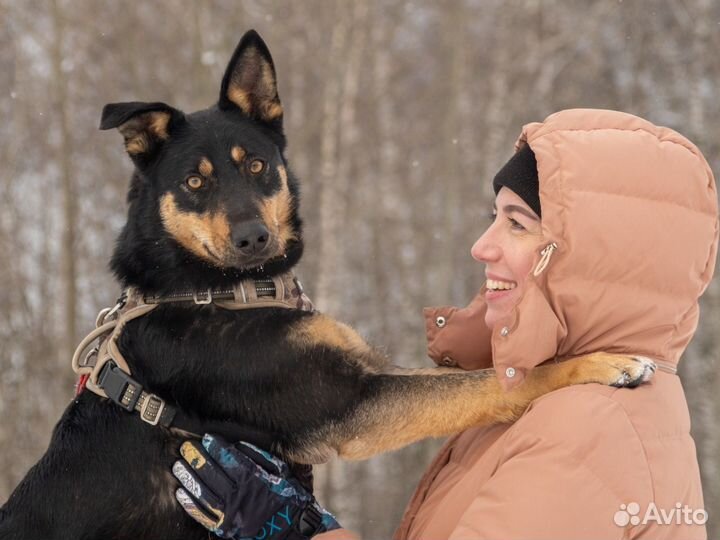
{"x": 145, "y": 126}
{"x": 250, "y": 83}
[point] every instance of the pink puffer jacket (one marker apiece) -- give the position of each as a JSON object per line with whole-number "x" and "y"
{"x": 633, "y": 210}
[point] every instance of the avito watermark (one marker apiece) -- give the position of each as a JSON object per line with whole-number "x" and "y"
{"x": 680, "y": 514}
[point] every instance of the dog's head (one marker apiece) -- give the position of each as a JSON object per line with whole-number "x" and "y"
{"x": 212, "y": 196}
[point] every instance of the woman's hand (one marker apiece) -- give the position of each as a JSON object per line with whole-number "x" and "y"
{"x": 240, "y": 491}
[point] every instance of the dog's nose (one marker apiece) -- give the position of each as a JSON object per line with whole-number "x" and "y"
{"x": 250, "y": 237}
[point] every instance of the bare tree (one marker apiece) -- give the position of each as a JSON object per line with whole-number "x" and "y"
{"x": 398, "y": 114}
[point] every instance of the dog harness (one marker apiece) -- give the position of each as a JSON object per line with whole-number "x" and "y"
{"x": 104, "y": 371}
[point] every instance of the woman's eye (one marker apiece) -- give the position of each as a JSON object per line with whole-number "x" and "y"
{"x": 491, "y": 217}
{"x": 194, "y": 182}
{"x": 515, "y": 224}
{"x": 256, "y": 166}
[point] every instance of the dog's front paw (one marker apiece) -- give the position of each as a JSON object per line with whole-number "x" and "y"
{"x": 635, "y": 371}
{"x": 613, "y": 369}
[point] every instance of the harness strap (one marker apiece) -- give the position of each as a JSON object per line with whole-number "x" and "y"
{"x": 104, "y": 371}
{"x": 284, "y": 291}
{"x": 129, "y": 394}
{"x": 108, "y": 350}
{"x": 121, "y": 388}
{"x": 85, "y": 367}
{"x": 661, "y": 365}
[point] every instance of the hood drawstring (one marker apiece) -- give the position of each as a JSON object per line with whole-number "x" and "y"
{"x": 545, "y": 259}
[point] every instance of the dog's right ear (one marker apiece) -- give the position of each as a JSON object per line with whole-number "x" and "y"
{"x": 250, "y": 83}
{"x": 145, "y": 126}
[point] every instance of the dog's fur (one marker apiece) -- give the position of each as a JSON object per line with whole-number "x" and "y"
{"x": 309, "y": 383}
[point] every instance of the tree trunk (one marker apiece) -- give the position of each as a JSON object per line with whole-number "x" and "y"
{"x": 69, "y": 206}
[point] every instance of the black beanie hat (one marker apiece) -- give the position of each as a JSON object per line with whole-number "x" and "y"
{"x": 520, "y": 175}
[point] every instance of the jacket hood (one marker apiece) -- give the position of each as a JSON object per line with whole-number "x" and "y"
{"x": 633, "y": 211}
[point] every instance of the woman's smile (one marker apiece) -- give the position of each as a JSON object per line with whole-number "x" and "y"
{"x": 499, "y": 288}
{"x": 498, "y": 295}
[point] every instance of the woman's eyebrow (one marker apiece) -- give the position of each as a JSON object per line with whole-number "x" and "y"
{"x": 515, "y": 208}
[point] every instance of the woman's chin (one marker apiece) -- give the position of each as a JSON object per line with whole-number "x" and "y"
{"x": 490, "y": 319}
{"x": 494, "y": 315}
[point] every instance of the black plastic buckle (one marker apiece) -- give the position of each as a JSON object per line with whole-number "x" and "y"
{"x": 115, "y": 383}
{"x": 310, "y": 522}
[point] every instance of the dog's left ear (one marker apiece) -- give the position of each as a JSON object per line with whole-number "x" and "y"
{"x": 250, "y": 83}
{"x": 145, "y": 126}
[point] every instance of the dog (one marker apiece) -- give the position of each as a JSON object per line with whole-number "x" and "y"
{"x": 213, "y": 205}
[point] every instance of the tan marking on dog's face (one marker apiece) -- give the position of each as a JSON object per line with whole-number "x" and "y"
{"x": 206, "y": 235}
{"x": 321, "y": 330}
{"x": 138, "y": 131}
{"x": 205, "y": 167}
{"x": 237, "y": 154}
{"x": 276, "y": 212}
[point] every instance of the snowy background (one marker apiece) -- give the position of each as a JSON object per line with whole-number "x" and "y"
{"x": 398, "y": 114}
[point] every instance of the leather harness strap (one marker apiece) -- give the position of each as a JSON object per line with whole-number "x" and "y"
{"x": 106, "y": 373}
{"x": 284, "y": 291}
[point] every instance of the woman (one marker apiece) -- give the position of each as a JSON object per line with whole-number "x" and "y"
{"x": 626, "y": 246}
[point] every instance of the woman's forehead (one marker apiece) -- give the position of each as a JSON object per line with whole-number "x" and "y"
{"x": 508, "y": 196}
{"x": 510, "y": 201}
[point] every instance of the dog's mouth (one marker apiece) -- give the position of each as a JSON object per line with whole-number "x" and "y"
{"x": 231, "y": 257}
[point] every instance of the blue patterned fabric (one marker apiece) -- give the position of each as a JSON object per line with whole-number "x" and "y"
{"x": 243, "y": 492}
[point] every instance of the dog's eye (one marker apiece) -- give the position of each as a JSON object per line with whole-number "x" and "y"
{"x": 194, "y": 182}
{"x": 256, "y": 166}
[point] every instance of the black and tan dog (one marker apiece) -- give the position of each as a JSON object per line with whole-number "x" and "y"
{"x": 212, "y": 202}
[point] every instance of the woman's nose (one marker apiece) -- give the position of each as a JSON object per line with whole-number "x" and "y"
{"x": 486, "y": 249}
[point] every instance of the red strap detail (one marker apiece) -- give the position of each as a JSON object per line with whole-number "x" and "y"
{"x": 80, "y": 385}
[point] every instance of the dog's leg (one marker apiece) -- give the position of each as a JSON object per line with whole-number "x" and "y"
{"x": 395, "y": 407}
{"x": 400, "y": 409}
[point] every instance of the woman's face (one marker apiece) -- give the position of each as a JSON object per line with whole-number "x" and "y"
{"x": 507, "y": 248}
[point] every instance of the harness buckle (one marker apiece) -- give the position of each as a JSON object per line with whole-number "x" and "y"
{"x": 120, "y": 387}
{"x": 207, "y": 300}
{"x": 108, "y": 314}
{"x": 151, "y": 410}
